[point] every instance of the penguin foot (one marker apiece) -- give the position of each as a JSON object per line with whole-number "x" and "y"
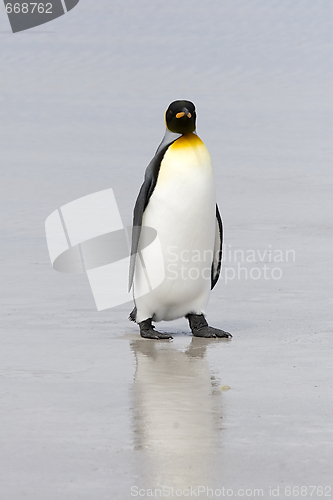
{"x": 200, "y": 328}
{"x": 147, "y": 331}
{"x": 209, "y": 331}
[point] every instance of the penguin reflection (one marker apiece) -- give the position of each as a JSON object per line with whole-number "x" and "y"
{"x": 177, "y": 414}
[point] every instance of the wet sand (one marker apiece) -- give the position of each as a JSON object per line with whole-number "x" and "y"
{"x": 88, "y": 409}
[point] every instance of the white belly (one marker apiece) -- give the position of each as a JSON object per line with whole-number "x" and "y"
{"x": 182, "y": 210}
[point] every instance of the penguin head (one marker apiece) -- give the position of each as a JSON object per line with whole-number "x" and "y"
{"x": 180, "y": 117}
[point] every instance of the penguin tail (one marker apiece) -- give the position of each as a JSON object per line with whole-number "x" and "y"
{"x": 132, "y": 316}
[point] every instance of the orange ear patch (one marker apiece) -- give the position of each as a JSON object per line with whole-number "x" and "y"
{"x": 180, "y": 114}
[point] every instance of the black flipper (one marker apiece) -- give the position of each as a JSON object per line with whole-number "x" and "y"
{"x": 132, "y": 316}
{"x": 145, "y": 193}
{"x": 217, "y": 259}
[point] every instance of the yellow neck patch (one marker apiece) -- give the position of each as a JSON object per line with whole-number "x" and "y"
{"x": 187, "y": 141}
{"x": 185, "y": 158}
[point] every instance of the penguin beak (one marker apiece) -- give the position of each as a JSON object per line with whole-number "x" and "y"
{"x": 184, "y": 113}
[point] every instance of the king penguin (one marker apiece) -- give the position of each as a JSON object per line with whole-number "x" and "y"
{"x": 177, "y": 200}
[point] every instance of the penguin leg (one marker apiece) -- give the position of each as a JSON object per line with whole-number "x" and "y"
{"x": 147, "y": 331}
{"x": 200, "y": 327}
